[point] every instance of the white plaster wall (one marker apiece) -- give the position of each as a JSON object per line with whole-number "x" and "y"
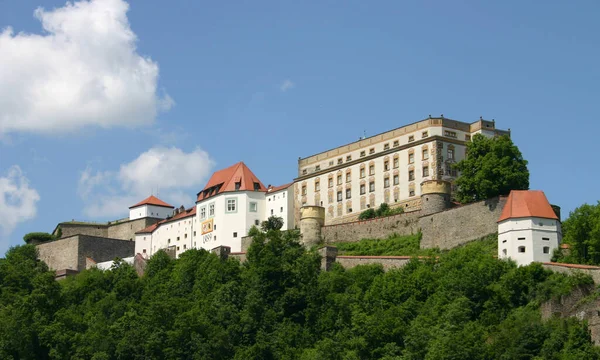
{"x": 535, "y": 231}
{"x": 143, "y": 241}
{"x": 280, "y": 204}
{"x": 149, "y": 211}
{"x": 159, "y": 239}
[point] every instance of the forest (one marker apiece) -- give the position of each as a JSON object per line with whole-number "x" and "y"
{"x": 462, "y": 304}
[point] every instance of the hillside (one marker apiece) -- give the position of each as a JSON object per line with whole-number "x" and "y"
{"x": 279, "y": 305}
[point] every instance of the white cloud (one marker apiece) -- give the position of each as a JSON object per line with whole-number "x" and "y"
{"x": 17, "y": 200}
{"x": 175, "y": 174}
{"x": 84, "y": 70}
{"x": 287, "y": 85}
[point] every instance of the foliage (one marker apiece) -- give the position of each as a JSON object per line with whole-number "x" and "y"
{"x": 279, "y": 305}
{"x": 383, "y": 210}
{"x": 272, "y": 223}
{"x": 37, "y": 237}
{"x": 493, "y": 166}
{"x": 581, "y": 230}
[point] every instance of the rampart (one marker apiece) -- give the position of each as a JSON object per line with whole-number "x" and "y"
{"x": 388, "y": 262}
{"x": 453, "y": 227}
{"x": 72, "y": 252}
{"x": 378, "y": 228}
{"x": 122, "y": 229}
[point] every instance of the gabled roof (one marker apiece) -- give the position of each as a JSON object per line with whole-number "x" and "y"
{"x": 152, "y": 200}
{"x": 527, "y": 203}
{"x": 186, "y": 213}
{"x": 225, "y": 180}
{"x": 272, "y": 189}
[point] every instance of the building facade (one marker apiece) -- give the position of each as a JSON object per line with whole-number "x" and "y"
{"x": 528, "y": 229}
{"x": 385, "y": 168}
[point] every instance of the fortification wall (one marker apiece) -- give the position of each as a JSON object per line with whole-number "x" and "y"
{"x": 388, "y": 262}
{"x": 60, "y": 254}
{"x": 380, "y": 228}
{"x": 457, "y": 226}
{"x": 69, "y": 230}
{"x": 103, "y": 249}
{"x": 570, "y": 269}
{"x": 126, "y": 230}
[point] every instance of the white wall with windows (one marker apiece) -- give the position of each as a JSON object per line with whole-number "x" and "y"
{"x": 281, "y": 203}
{"x": 154, "y": 211}
{"x": 178, "y": 234}
{"x": 526, "y": 240}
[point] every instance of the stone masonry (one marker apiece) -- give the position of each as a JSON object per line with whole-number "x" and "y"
{"x": 123, "y": 230}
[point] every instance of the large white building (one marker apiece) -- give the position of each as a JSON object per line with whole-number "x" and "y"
{"x": 232, "y": 201}
{"x": 384, "y": 168}
{"x": 528, "y": 229}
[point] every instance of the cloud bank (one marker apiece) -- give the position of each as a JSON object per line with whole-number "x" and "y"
{"x": 175, "y": 174}
{"x": 18, "y": 201}
{"x": 84, "y": 70}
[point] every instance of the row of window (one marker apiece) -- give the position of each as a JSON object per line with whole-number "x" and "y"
{"x": 522, "y": 249}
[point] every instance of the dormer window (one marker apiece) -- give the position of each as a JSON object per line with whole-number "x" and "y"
{"x": 256, "y": 186}
{"x": 238, "y": 185}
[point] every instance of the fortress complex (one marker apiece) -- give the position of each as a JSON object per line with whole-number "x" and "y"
{"x": 385, "y": 168}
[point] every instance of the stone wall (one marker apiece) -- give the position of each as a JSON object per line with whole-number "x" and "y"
{"x": 126, "y": 230}
{"x": 388, "y": 262}
{"x": 570, "y": 269}
{"x": 457, "y": 226}
{"x": 70, "y": 229}
{"x": 72, "y": 252}
{"x": 60, "y": 254}
{"x": 380, "y": 228}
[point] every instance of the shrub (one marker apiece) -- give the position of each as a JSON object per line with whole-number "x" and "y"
{"x": 37, "y": 237}
{"x": 383, "y": 210}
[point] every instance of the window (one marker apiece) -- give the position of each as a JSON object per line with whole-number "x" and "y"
{"x": 339, "y": 180}
{"x": 256, "y": 186}
{"x": 521, "y": 249}
{"x": 271, "y": 211}
{"x": 349, "y": 210}
{"x": 468, "y": 137}
{"x": 348, "y": 177}
{"x": 386, "y": 165}
{"x": 215, "y": 227}
{"x": 504, "y": 252}
{"x": 386, "y": 146}
{"x": 425, "y": 154}
{"x": 372, "y": 151}
{"x": 425, "y": 171}
{"x": 411, "y": 158}
{"x": 547, "y": 239}
{"x": 211, "y": 210}
{"x": 185, "y": 236}
{"x": 231, "y": 205}
{"x": 396, "y": 179}
{"x": 339, "y": 196}
{"x": 450, "y": 170}
{"x": 318, "y": 167}
{"x": 396, "y": 143}
{"x": 362, "y": 189}
{"x": 281, "y": 209}
{"x": 362, "y": 153}
{"x": 194, "y": 233}
{"x": 450, "y": 154}
{"x": 411, "y": 138}
{"x": 178, "y": 248}
{"x": 168, "y": 241}
{"x": 521, "y": 238}
{"x": 546, "y": 250}
{"x": 424, "y": 134}
{"x": 184, "y": 246}
{"x": 372, "y": 186}
{"x": 411, "y": 175}
{"x": 304, "y": 172}
{"x": 349, "y": 158}
{"x": 396, "y": 163}
{"x": 238, "y": 185}
{"x": 362, "y": 172}
{"x": 386, "y": 182}
{"x": 330, "y": 182}
{"x": 372, "y": 170}
{"x": 253, "y": 207}
{"x": 303, "y": 189}
{"x": 203, "y": 212}
{"x": 317, "y": 186}
{"x": 451, "y": 134}
{"x": 411, "y": 192}
{"x": 348, "y": 193}
{"x": 256, "y": 222}
{"x": 340, "y": 161}
{"x": 235, "y": 234}
{"x": 144, "y": 251}
{"x": 331, "y": 163}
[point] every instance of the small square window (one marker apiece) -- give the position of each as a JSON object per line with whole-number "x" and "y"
{"x": 396, "y": 143}
{"x": 235, "y": 234}
{"x": 362, "y": 153}
{"x": 372, "y": 151}
{"x": 318, "y": 167}
{"x": 411, "y": 192}
{"x": 349, "y": 158}
{"x": 331, "y": 163}
{"x": 521, "y": 249}
{"x": 424, "y": 134}
{"x": 386, "y": 146}
{"x": 281, "y": 209}
{"x": 253, "y": 207}
{"x": 304, "y": 172}
{"x": 340, "y": 161}
{"x": 178, "y": 238}
{"x": 546, "y": 250}
{"x": 231, "y": 205}
{"x": 184, "y": 246}
{"x": 178, "y": 248}
{"x": 411, "y": 138}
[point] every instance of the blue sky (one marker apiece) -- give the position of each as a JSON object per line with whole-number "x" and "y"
{"x": 94, "y": 107}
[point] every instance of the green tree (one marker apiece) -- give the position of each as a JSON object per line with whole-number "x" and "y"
{"x": 582, "y": 231}
{"x": 37, "y": 237}
{"x": 493, "y": 166}
{"x": 272, "y": 223}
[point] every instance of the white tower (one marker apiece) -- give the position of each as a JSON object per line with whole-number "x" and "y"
{"x": 528, "y": 229}
{"x": 150, "y": 207}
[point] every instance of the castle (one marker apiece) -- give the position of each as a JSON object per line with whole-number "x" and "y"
{"x": 408, "y": 167}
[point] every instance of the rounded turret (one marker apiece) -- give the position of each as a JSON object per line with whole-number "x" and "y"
{"x": 312, "y": 218}
{"x": 435, "y": 196}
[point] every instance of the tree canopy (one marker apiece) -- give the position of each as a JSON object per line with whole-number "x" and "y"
{"x": 581, "y": 230}
{"x": 493, "y": 166}
{"x": 280, "y": 305}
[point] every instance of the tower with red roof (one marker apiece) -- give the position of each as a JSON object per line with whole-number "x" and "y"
{"x": 150, "y": 207}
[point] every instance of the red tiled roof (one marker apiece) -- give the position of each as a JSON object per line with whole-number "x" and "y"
{"x": 152, "y": 200}
{"x": 150, "y": 229}
{"x": 225, "y": 180}
{"x": 272, "y": 189}
{"x": 574, "y": 266}
{"x": 527, "y": 203}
